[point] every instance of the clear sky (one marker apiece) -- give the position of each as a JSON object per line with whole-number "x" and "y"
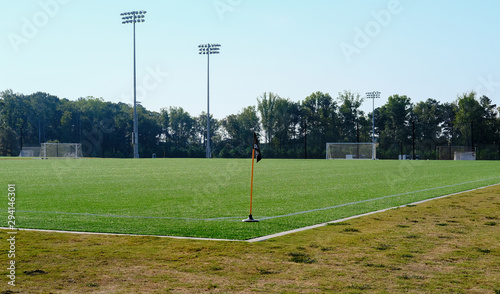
{"x": 420, "y": 48}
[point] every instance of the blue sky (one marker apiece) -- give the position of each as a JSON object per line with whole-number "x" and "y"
{"x": 420, "y": 48}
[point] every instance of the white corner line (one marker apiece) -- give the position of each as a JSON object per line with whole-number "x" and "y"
{"x": 263, "y": 238}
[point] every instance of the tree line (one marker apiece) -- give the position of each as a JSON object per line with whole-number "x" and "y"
{"x": 288, "y": 129}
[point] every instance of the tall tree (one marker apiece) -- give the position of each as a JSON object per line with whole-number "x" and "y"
{"x": 181, "y": 127}
{"x": 287, "y": 119}
{"x": 469, "y": 112}
{"x": 7, "y": 140}
{"x": 164, "y": 122}
{"x": 427, "y": 117}
{"x": 448, "y": 112}
{"x": 396, "y": 131}
{"x": 46, "y": 115}
{"x": 487, "y": 126}
{"x": 15, "y": 113}
{"x": 240, "y": 128}
{"x": 349, "y": 115}
{"x": 68, "y": 126}
{"x": 266, "y": 106}
{"x": 201, "y": 131}
{"x": 319, "y": 115}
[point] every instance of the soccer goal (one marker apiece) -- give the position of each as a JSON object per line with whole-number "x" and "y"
{"x": 61, "y": 150}
{"x": 455, "y": 153}
{"x": 30, "y": 152}
{"x": 350, "y": 151}
{"x": 469, "y": 155}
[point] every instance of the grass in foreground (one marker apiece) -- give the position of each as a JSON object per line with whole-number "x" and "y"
{"x": 209, "y": 198}
{"x": 449, "y": 245}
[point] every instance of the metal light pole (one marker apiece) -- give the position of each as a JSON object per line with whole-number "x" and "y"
{"x": 208, "y": 49}
{"x": 373, "y": 95}
{"x": 134, "y": 17}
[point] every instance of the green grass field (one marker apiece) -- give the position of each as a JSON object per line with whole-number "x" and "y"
{"x": 209, "y": 198}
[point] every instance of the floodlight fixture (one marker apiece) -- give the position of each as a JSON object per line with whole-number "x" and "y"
{"x": 373, "y": 95}
{"x": 134, "y": 17}
{"x": 208, "y": 49}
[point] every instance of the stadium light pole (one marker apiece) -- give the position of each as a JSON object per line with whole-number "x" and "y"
{"x": 208, "y": 49}
{"x": 373, "y": 95}
{"x": 134, "y": 17}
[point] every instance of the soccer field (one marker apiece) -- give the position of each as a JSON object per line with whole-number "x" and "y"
{"x": 209, "y": 197}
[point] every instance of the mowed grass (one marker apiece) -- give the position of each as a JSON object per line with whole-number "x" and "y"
{"x": 448, "y": 245}
{"x": 209, "y": 198}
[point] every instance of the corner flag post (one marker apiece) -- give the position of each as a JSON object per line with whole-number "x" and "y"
{"x": 255, "y": 149}
{"x": 251, "y": 182}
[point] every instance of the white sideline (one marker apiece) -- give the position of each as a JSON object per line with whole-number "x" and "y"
{"x": 258, "y": 239}
{"x": 118, "y": 234}
{"x": 373, "y": 199}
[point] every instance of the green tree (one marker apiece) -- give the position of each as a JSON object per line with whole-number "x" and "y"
{"x": 96, "y": 119}
{"x": 181, "y": 127}
{"x": 469, "y": 112}
{"x": 239, "y": 129}
{"x": 121, "y": 134}
{"x": 448, "y": 129}
{"x": 69, "y": 124}
{"x": 487, "y": 126}
{"x": 15, "y": 114}
{"x": 266, "y": 106}
{"x": 46, "y": 115}
{"x": 287, "y": 120}
{"x": 428, "y": 119}
{"x": 164, "y": 122}
{"x": 7, "y": 140}
{"x": 149, "y": 132}
{"x": 349, "y": 115}
{"x": 318, "y": 112}
{"x": 201, "y": 133}
{"x": 394, "y": 126}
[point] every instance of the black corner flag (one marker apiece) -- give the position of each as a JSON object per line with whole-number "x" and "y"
{"x": 256, "y": 147}
{"x": 255, "y": 153}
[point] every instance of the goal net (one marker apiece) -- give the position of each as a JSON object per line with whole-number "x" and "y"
{"x": 465, "y": 156}
{"x": 451, "y": 152}
{"x": 30, "y": 152}
{"x": 61, "y": 150}
{"x": 350, "y": 151}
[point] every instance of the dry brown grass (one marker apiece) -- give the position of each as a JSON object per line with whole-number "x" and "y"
{"x": 450, "y": 245}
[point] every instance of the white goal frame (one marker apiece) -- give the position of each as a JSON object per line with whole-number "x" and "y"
{"x": 454, "y": 152}
{"x": 351, "y": 150}
{"x": 30, "y": 152}
{"x": 61, "y": 150}
{"x": 467, "y": 155}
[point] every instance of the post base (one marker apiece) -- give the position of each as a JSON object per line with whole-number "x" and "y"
{"x": 250, "y": 219}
